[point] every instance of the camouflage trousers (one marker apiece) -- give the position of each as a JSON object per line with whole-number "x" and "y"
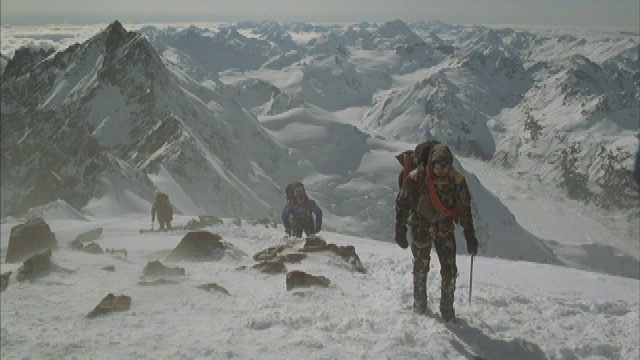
{"x": 422, "y": 241}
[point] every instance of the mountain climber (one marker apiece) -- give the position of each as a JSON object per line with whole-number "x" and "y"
{"x": 298, "y": 214}
{"x": 163, "y": 208}
{"x": 433, "y": 197}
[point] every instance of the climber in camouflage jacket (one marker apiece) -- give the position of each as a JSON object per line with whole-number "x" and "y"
{"x": 433, "y": 197}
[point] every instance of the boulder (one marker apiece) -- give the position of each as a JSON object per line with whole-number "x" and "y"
{"x": 121, "y": 252}
{"x": 348, "y": 252}
{"x": 34, "y": 265}
{"x": 313, "y": 244}
{"x": 296, "y": 279}
{"x": 270, "y": 253}
{"x": 155, "y": 268}
{"x": 270, "y": 267}
{"x": 109, "y": 304}
{"x": 29, "y": 238}
{"x": 4, "y": 280}
{"x": 213, "y": 287}
{"x": 92, "y": 248}
{"x": 91, "y": 235}
{"x": 293, "y": 257}
{"x": 198, "y": 245}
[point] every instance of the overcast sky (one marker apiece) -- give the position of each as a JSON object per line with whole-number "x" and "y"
{"x": 596, "y": 13}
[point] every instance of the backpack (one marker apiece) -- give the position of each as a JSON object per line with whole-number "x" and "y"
{"x": 410, "y": 159}
{"x": 291, "y": 189}
{"x": 162, "y": 201}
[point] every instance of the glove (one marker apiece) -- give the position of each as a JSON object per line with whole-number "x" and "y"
{"x": 287, "y": 231}
{"x": 472, "y": 241}
{"x": 401, "y": 237}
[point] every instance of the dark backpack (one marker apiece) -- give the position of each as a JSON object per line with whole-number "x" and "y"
{"x": 409, "y": 162}
{"x": 162, "y": 202}
{"x": 291, "y": 189}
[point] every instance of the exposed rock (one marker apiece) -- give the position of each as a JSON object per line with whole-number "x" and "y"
{"x": 92, "y": 248}
{"x": 348, "y": 253}
{"x": 293, "y": 257}
{"x": 76, "y": 245}
{"x": 34, "y": 236}
{"x": 91, "y": 235}
{"x": 25, "y": 59}
{"x": 297, "y": 279}
{"x": 109, "y": 268}
{"x": 198, "y": 245}
{"x": 111, "y": 303}
{"x": 34, "y": 265}
{"x": 270, "y": 267}
{"x": 4, "y": 280}
{"x": 213, "y": 287}
{"x": 155, "y": 268}
{"x": 161, "y": 281}
{"x": 314, "y": 243}
{"x": 270, "y": 253}
{"x": 122, "y": 252}
{"x": 273, "y": 254}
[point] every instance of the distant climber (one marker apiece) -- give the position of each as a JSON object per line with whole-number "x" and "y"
{"x": 163, "y": 208}
{"x": 300, "y": 213}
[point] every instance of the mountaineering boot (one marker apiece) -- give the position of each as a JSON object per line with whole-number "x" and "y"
{"x": 419, "y": 294}
{"x": 447, "y": 290}
{"x": 419, "y": 308}
{"x": 448, "y": 314}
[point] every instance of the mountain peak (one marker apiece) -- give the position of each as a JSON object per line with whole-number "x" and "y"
{"x": 115, "y": 34}
{"x": 116, "y": 26}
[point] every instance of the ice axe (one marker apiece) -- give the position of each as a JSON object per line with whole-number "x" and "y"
{"x": 471, "y": 279}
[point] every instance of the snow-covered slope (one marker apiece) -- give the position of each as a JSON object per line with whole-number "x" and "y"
{"x": 518, "y": 310}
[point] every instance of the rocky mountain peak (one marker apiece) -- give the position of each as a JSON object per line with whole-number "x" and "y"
{"x": 116, "y": 34}
{"x": 24, "y": 60}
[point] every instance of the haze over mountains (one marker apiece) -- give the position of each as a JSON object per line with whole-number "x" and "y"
{"x": 224, "y": 117}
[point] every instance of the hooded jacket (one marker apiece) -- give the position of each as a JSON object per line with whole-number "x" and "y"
{"x": 301, "y": 212}
{"x": 451, "y": 189}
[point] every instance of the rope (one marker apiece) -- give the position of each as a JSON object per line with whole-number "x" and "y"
{"x": 437, "y": 204}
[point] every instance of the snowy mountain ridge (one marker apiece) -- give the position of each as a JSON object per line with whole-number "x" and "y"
{"x": 224, "y": 117}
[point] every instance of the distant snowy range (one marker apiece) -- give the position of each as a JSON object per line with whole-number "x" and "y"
{"x": 544, "y": 123}
{"x": 223, "y": 116}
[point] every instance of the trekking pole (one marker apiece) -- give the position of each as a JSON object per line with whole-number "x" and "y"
{"x": 471, "y": 279}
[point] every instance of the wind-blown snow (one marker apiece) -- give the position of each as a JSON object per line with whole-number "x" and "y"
{"x": 519, "y": 310}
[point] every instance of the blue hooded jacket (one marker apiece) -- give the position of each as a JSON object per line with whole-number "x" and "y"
{"x": 301, "y": 211}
